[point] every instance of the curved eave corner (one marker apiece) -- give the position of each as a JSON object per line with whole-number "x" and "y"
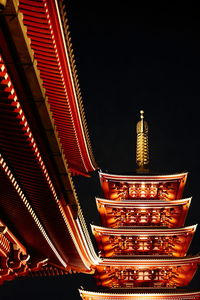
{"x": 65, "y": 26}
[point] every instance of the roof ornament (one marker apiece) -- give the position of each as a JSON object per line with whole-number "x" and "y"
{"x": 142, "y": 147}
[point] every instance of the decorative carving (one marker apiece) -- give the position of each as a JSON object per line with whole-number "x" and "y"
{"x": 135, "y": 190}
{"x": 165, "y": 187}
{"x": 116, "y": 245}
{"x": 143, "y": 213}
{"x": 149, "y": 276}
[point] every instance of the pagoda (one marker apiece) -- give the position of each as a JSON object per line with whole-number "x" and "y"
{"x": 44, "y": 142}
{"x": 142, "y": 240}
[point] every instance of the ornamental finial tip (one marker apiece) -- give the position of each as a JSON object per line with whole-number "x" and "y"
{"x": 141, "y": 114}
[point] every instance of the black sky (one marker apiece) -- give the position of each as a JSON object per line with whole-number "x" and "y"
{"x": 131, "y": 58}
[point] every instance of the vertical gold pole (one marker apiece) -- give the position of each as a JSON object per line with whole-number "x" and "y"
{"x": 142, "y": 147}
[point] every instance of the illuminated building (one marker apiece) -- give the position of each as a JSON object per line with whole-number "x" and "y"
{"x": 143, "y": 242}
{"x": 44, "y": 141}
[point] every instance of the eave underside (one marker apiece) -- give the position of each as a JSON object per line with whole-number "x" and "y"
{"x": 49, "y": 192}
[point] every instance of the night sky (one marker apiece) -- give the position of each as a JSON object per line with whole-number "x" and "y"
{"x": 131, "y": 58}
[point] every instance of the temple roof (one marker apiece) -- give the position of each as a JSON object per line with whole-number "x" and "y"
{"x": 35, "y": 169}
{"x": 55, "y": 61}
{"x": 143, "y": 203}
{"x": 149, "y": 261}
{"x": 53, "y": 58}
{"x": 149, "y": 177}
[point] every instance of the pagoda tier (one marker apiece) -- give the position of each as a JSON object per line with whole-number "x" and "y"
{"x": 114, "y": 242}
{"x": 162, "y": 213}
{"x": 146, "y": 272}
{"x": 141, "y": 294}
{"x": 119, "y": 187}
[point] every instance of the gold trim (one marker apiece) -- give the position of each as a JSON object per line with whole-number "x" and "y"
{"x": 63, "y": 15}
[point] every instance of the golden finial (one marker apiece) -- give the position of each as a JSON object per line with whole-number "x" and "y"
{"x": 142, "y": 147}
{"x": 2, "y": 4}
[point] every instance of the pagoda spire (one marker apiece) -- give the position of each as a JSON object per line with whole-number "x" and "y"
{"x": 142, "y": 147}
